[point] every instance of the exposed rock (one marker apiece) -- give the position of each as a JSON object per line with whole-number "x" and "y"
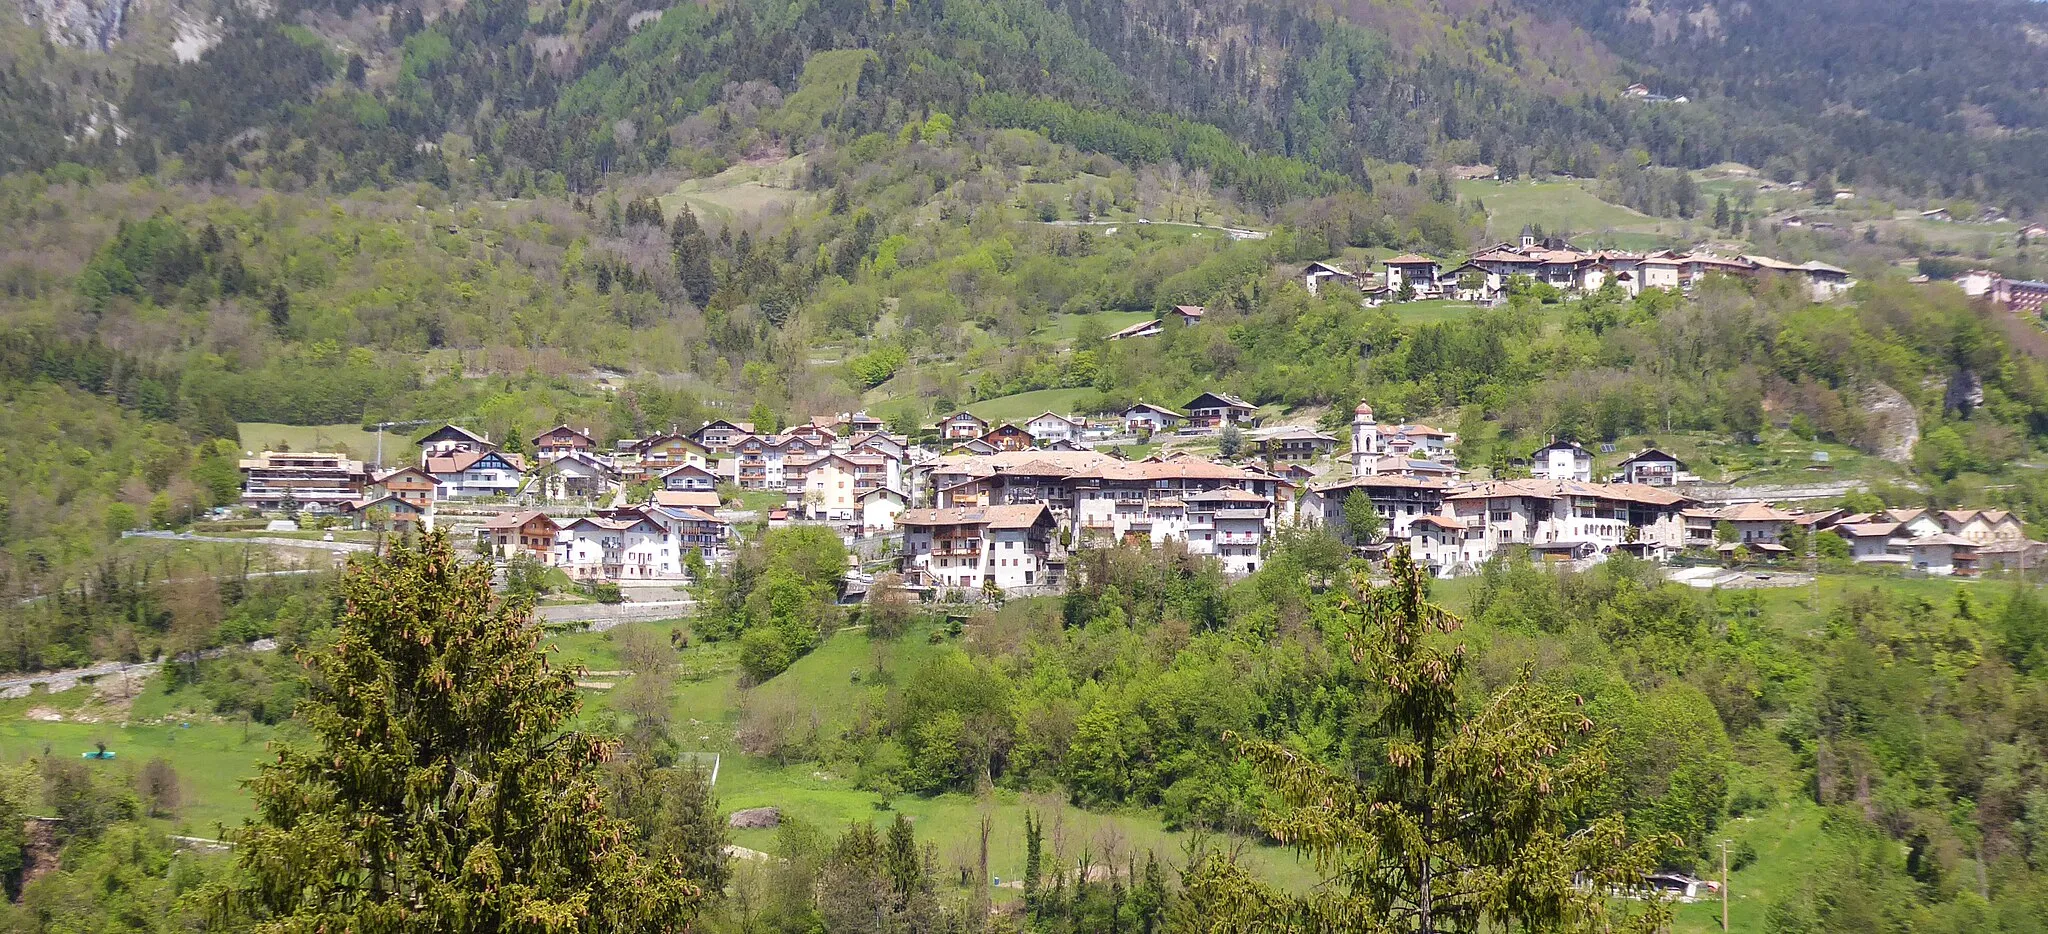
{"x": 1965, "y": 392}
{"x": 755, "y": 819}
{"x": 82, "y": 24}
{"x": 1895, "y": 424}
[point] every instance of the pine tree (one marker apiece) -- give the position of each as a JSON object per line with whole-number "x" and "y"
{"x": 901, "y": 860}
{"x": 693, "y": 257}
{"x": 442, "y": 790}
{"x": 1466, "y": 815}
{"x": 280, "y": 306}
{"x": 1721, "y": 212}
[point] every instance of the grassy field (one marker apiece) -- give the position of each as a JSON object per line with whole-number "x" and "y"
{"x": 352, "y": 439}
{"x": 1431, "y": 311}
{"x": 1064, "y": 328}
{"x": 1570, "y": 206}
{"x": 212, "y": 755}
{"x": 749, "y": 188}
{"x": 1781, "y": 459}
{"x": 1026, "y": 405}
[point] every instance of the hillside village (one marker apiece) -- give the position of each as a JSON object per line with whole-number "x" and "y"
{"x": 1490, "y": 275}
{"x": 965, "y": 507}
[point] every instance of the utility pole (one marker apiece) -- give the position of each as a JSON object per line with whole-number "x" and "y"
{"x": 1724, "y": 885}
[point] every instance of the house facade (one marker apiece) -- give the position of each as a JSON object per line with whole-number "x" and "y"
{"x": 971, "y": 548}
{"x": 561, "y": 441}
{"x": 312, "y": 481}
{"x": 1562, "y": 460}
{"x": 1210, "y": 411}
{"x": 475, "y": 474}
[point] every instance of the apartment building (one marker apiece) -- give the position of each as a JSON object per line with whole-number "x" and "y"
{"x": 312, "y": 481}
{"x": 973, "y": 547}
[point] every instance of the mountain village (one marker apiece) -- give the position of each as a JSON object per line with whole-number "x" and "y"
{"x": 966, "y": 507}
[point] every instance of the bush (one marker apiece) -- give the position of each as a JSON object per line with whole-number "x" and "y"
{"x": 765, "y": 653}
{"x": 604, "y": 592}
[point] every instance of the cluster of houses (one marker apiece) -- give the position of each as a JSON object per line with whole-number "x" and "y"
{"x": 1486, "y": 277}
{"x": 982, "y": 506}
{"x": 2018, "y": 295}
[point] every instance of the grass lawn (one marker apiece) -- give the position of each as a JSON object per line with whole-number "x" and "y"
{"x": 1431, "y": 311}
{"x": 1782, "y": 459}
{"x": 762, "y": 500}
{"x": 212, "y": 755}
{"x": 1027, "y": 405}
{"x": 1063, "y": 328}
{"x": 741, "y": 190}
{"x": 352, "y": 439}
{"x": 1553, "y": 205}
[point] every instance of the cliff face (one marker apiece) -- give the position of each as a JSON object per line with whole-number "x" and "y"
{"x": 82, "y": 24}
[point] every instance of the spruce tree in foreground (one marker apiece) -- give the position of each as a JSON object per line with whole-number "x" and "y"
{"x": 1468, "y": 816}
{"x": 441, "y": 791}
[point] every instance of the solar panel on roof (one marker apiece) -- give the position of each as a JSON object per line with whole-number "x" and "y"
{"x": 1606, "y": 447}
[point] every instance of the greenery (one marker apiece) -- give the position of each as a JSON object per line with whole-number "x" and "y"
{"x": 441, "y": 788}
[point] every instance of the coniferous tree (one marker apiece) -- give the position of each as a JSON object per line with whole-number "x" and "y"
{"x": 1465, "y": 815}
{"x": 442, "y": 790}
{"x": 280, "y": 306}
{"x": 1721, "y": 212}
{"x": 693, "y": 257}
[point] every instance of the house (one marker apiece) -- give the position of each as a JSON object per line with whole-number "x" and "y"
{"x": 1292, "y": 444}
{"x": 1008, "y": 437}
{"x": 1146, "y": 418}
{"x": 1210, "y": 411}
{"x": 1562, "y": 460}
{"x": 453, "y": 439}
{"x": 1412, "y": 275}
{"x": 763, "y": 460}
{"x": 312, "y": 481}
{"x": 1568, "y": 519}
{"x": 388, "y": 512}
{"x": 1872, "y": 542}
{"x": 627, "y": 546}
{"x": 521, "y": 534}
{"x": 1913, "y": 522}
{"x": 1754, "y": 523}
{"x": 1940, "y": 215}
{"x": 475, "y": 474}
{"x": 717, "y": 436}
{"x": 1441, "y": 544}
{"x": 1317, "y": 273}
{"x": 876, "y": 442}
{"x": 971, "y": 446}
{"x": 1049, "y": 428}
{"x": 1400, "y": 501}
{"x": 692, "y": 528}
{"x": 963, "y": 425}
{"x": 829, "y": 486}
{"x": 1420, "y": 441}
{"x": 1229, "y": 525}
{"x": 1470, "y": 282}
{"x": 684, "y": 499}
{"x": 688, "y": 477}
{"x": 1983, "y": 526}
{"x": 408, "y": 483}
{"x": 2021, "y": 555}
{"x": 975, "y": 547}
{"x": 560, "y": 441}
{"x": 879, "y": 508}
{"x": 1652, "y": 467}
{"x": 574, "y": 476}
{"x": 1147, "y": 328}
{"x": 664, "y": 451}
{"x": 1187, "y": 315}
